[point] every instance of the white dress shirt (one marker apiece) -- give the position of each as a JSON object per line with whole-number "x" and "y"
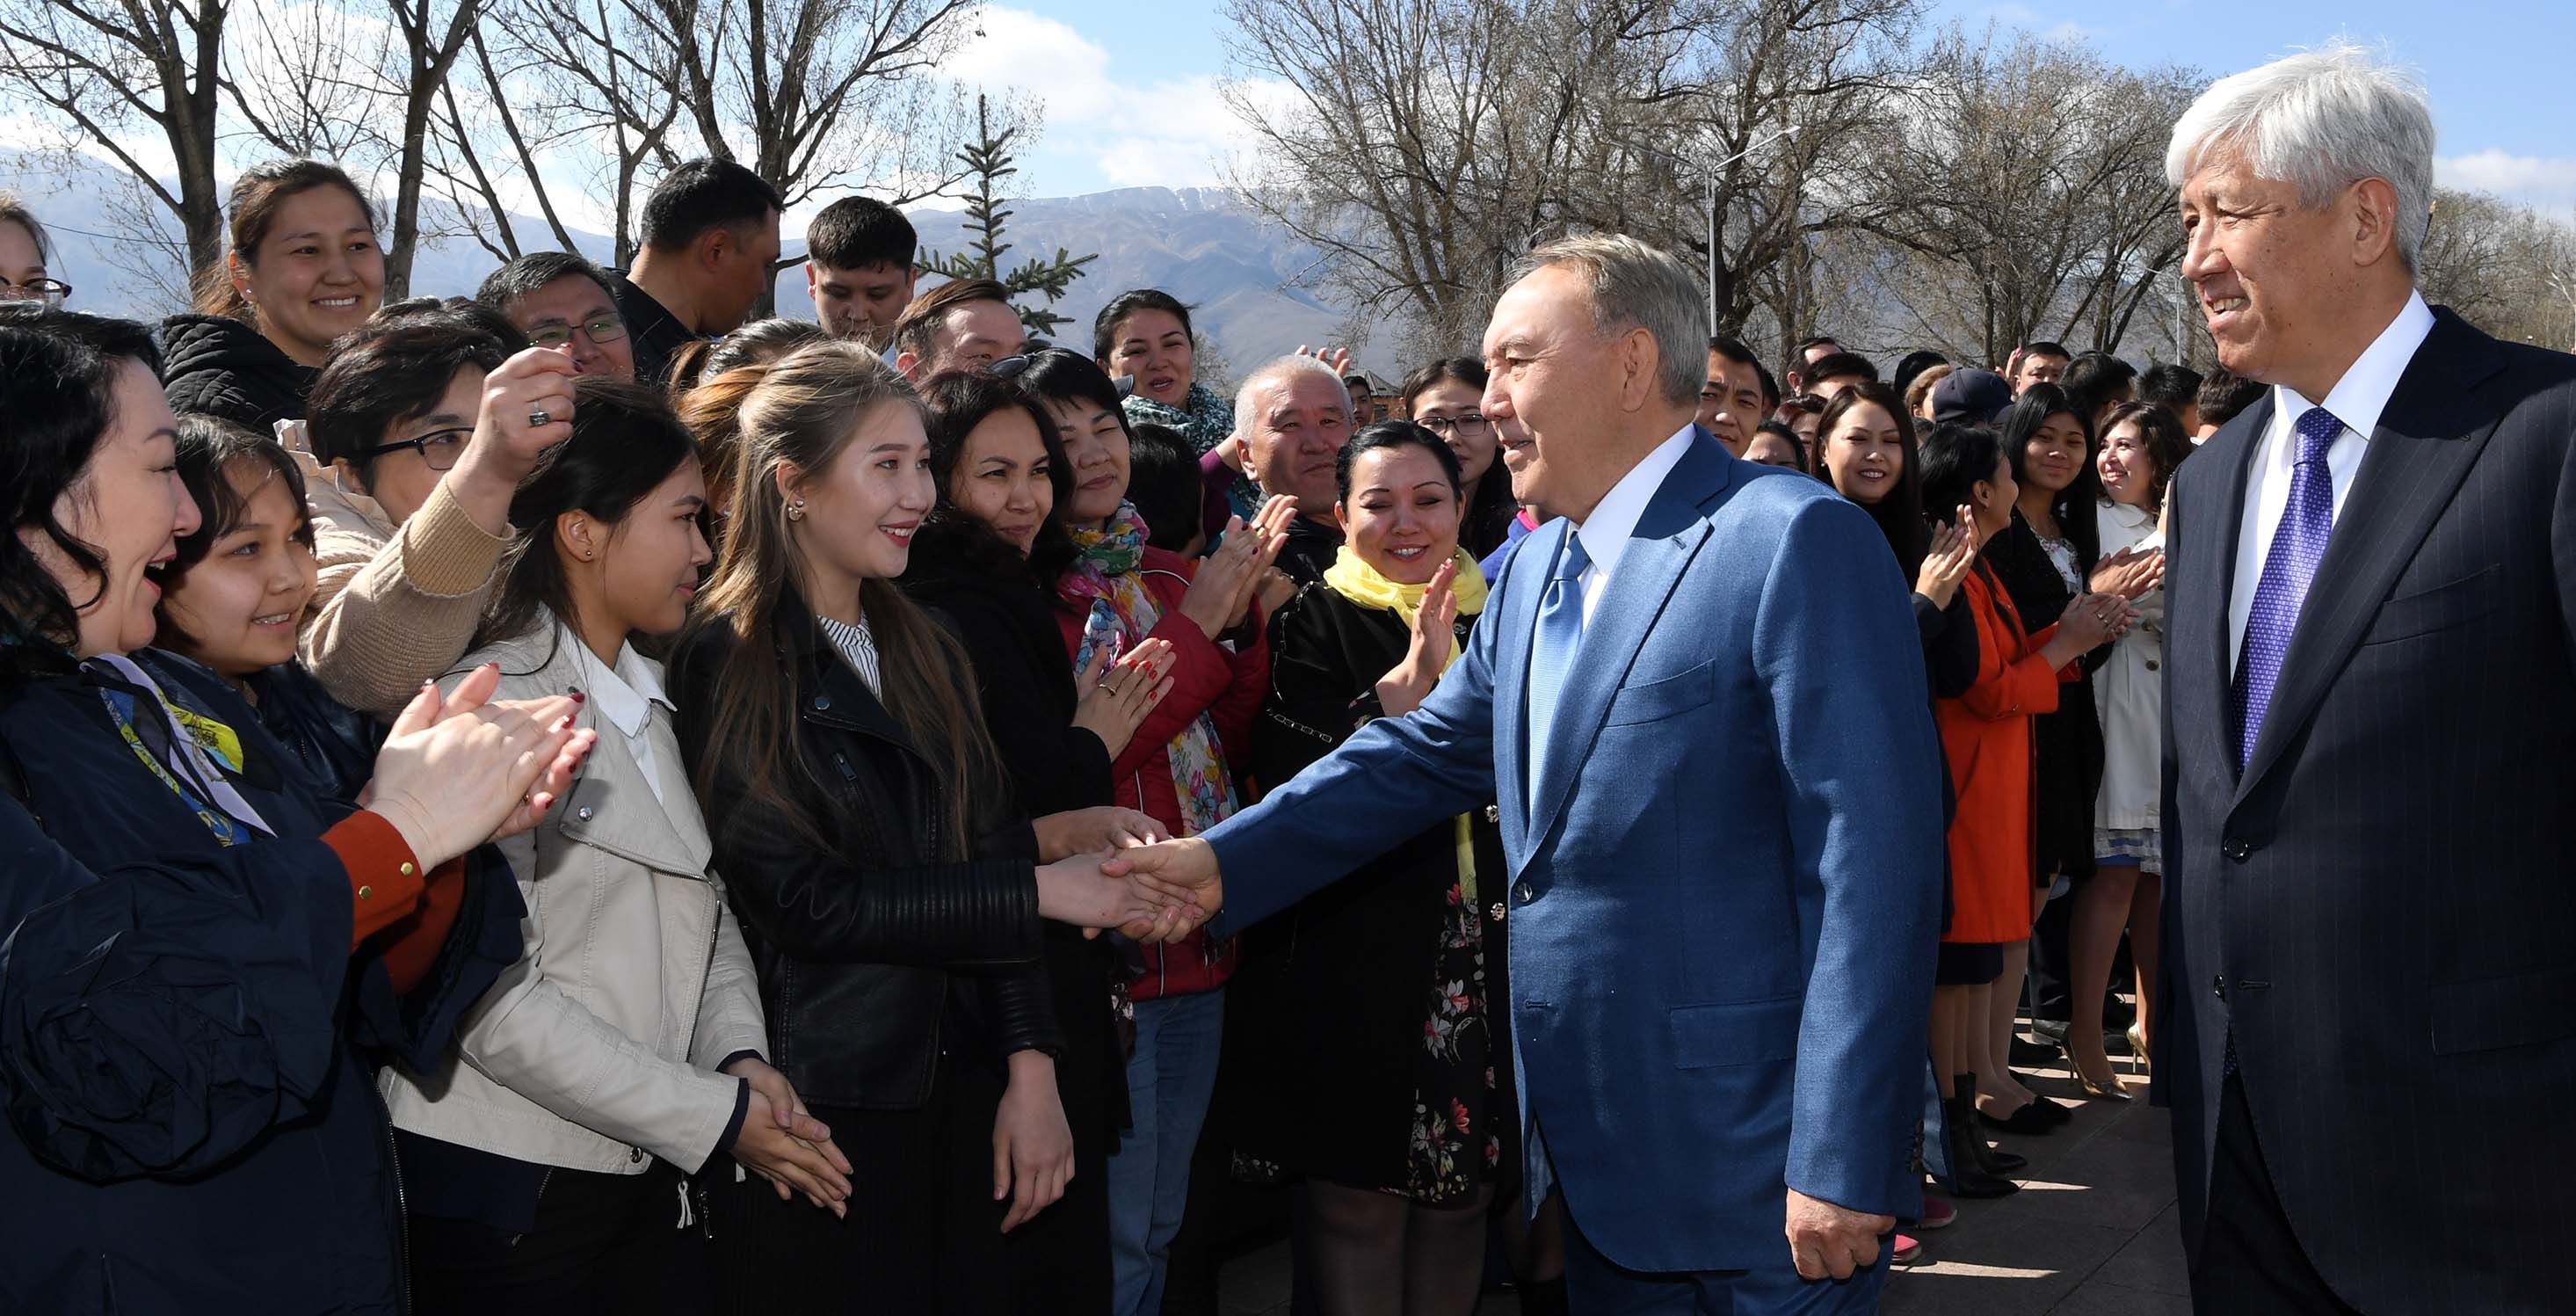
{"x": 624, "y": 697}
{"x": 1606, "y": 532}
{"x": 2357, "y": 401}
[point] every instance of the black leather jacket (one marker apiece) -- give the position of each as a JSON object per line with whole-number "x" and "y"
{"x": 876, "y": 953}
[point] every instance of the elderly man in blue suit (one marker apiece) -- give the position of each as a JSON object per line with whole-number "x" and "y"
{"x": 1700, "y": 702}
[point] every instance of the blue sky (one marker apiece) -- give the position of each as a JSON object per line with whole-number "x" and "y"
{"x": 1129, "y": 84}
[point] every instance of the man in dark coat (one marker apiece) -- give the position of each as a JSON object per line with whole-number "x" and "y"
{"x": 2369, "y": 1028}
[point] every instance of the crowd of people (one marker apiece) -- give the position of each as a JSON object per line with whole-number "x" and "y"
{"x": 577, "y": 799}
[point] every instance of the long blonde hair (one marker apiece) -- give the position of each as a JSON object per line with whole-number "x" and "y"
{"x": 806, "y": 408}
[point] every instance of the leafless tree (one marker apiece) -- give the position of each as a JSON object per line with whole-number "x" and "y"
{"x": 101, "y": 69}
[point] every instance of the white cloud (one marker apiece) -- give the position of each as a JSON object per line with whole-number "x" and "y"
{"x": 2547, "y": 181}
{"x": 1166, "y": 132}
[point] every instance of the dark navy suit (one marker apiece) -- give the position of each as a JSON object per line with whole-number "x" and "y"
{"x": 1725, "y": 892}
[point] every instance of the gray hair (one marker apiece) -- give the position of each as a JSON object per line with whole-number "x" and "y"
{"x": 1638, "y": 286}
{"x": 2322, "y": 120}
{"x": 1281, "y": 371}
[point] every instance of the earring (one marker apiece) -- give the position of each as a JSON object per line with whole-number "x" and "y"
{"x": 585, "y": 555}
{"x": 796, "y": 510}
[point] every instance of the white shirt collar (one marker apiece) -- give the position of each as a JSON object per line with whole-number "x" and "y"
{"x": 1606, "y": 532}
{"x": 2362, "y": 394}
{"x": 624, "y": 694}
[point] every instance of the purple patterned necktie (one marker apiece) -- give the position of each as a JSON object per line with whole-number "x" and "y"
{"x": 2297, "y": 546}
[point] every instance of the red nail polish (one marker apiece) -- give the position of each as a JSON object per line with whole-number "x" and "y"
{"x": 579, "y": 697}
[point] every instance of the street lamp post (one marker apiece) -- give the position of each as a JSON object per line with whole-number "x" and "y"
{"x": 1714, "y": 213}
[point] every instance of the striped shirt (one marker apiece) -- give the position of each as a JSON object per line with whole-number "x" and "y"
{"x": 858, "y": 648}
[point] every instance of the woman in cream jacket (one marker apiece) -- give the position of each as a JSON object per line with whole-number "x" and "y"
{"x": 622, "y": 1054}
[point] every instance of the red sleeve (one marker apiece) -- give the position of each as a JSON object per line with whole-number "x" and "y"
{"x": 385, "y": 881}
{"x": 411, "y": 946}
{"x": 1235, "y": 710}
{"x": 2011, "y": 682}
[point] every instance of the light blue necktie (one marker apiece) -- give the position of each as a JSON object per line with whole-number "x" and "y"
{"x": 1552, "y": 645}
{"x": 2298, "y": 545}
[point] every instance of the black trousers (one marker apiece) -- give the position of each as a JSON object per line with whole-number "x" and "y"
{"x": 922, "y": 1237}
{"x": 603, "y": 1245}
{"x": 2249, "y": 1261}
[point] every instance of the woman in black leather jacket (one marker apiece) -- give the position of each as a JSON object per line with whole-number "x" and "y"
{"x": 890, "y": 899}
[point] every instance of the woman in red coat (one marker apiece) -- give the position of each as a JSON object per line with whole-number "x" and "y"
{"x": 1180, "y": 767}
{"x": 1986, "y": 734}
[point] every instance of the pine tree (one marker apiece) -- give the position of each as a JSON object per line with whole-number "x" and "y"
{"x": 989, "y": 160}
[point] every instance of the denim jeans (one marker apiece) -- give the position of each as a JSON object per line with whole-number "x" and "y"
{"x": 1169, "y": 1081}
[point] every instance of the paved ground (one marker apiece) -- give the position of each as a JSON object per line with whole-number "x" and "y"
{"x": 2091, "y": 1233}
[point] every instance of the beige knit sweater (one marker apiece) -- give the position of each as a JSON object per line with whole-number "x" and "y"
{"x": 394, "y": 607}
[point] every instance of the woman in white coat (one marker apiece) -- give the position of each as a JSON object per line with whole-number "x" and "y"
{"x": 549, "y": 1172}
{"x": 2141, "y": 445}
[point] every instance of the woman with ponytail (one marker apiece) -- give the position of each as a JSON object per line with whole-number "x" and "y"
{"x": 302, "y": 269}
{"x": 890, "y": 896}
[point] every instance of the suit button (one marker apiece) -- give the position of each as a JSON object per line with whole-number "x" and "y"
{"x": 1524, "y": 893}
{"x": 2218, "y": 986}
{"x": 822, "y": 702}
{"x": 2236, "y": 848}
{"x": 2151, "y": 664}
{"x": 582, "y": 813}
{"x": 1493, "y": 813}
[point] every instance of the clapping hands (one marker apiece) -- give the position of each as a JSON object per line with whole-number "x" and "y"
{"x": 1946, "y": 563}
{"x": 1409, "y": 682}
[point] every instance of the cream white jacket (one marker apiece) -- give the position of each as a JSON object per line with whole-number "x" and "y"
{"x": 597, "y": 1050}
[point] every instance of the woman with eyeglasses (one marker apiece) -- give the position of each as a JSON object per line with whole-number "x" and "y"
{"x": 24, "y": 249}
{"x": 302, "y": 270}
{"x": 1447, "y": 397}
{"x": 421, "y": 428}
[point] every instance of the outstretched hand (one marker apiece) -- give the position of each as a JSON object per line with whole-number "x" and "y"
{"x": 1183, "y": 872}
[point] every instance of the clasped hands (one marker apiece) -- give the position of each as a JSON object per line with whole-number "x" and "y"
{"x": 1110, "y": 868}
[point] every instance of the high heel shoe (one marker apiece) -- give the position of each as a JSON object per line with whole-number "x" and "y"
{"x": 2138, "y": 1046}
{"x": 2112, "y": 1092}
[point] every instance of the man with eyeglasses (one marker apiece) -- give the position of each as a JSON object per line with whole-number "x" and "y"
{"x": 563, "y": 304}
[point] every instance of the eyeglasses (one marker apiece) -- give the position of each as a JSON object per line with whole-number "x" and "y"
{"x": 557, "y": 337}
{"x": 1445, "y": 426}
{"x": 52, "y": 292}
{"x": 438, "y": 448}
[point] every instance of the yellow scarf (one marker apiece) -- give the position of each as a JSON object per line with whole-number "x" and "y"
{"x": 1362, "y": 584}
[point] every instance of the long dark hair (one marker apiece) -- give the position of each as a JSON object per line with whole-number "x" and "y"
{"x": 960, "y": 400}
{"x": 1955, "y": 457}
{"x": 702, "y": 359}
{"x": 209, "y": 449}
{"x": 805, "y": 409}
{"x": 58, "y": 388}
{"x": 625, "y": 442}
{"x": 2073, "y": 505}
{"x": 1900, "y": 513}
{"x": 2166, "y": 445}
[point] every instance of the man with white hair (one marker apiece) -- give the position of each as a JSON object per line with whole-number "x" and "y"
{"x": 1703, "y": 721}
{"x": 1291, "y": 419}
{"x": 2371, "y": 750}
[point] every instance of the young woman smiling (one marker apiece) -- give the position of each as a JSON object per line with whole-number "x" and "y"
{"x": 984, "y": 564}
{"x": 303, "y": 269}
{"x": 1369, "y": 1058}
{"x": 1447, "y": 397}
{"x": 889, "y": 893}
{"x": 175, "y": 892}
{"x": 235, "y": 594}
{"x": 1181, "y": 766}
{"x": 623, "y": 1052}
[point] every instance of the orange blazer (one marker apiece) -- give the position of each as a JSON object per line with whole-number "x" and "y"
{"x": 1987, "y": 734}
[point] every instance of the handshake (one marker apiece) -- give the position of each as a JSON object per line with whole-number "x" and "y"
{"x": 1117, "y": 869}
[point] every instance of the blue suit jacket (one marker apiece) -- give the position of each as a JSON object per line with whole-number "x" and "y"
{"x": 1726, "y": 895}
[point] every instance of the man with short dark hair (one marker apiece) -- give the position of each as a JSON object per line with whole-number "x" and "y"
{"x": 858, "y": 268}
{"x": 1810, "y": 351}
{"x": 963, "y": 324}
{"x": 1830, "y": 374}
{"x": 1730, "y": 403}
{"x": 1363, "y": 398}
{"x": 2223, "y": 393}
{"x": 710, "y": 234}
{"x": 2096, "y": 382}
{"x": 563, "y": 303}
{"x": 2036, "y": 363}
{"x": 2176, "y": 389}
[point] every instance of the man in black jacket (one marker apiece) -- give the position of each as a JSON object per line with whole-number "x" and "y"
{"x": 710, "y": 234}
{"x": 2370, "y": 1021}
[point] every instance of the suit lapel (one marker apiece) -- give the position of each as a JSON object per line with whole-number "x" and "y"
{"x": 2416, "y": 459}
{"x": 1667, "y": 537}
{"x": 1516, "y": 622}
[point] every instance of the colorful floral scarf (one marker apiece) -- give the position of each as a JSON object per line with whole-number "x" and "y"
{"x": 1353, "y": 578}
{"x": 1106, "y": 577}
{"x": 1205, "y": 420}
